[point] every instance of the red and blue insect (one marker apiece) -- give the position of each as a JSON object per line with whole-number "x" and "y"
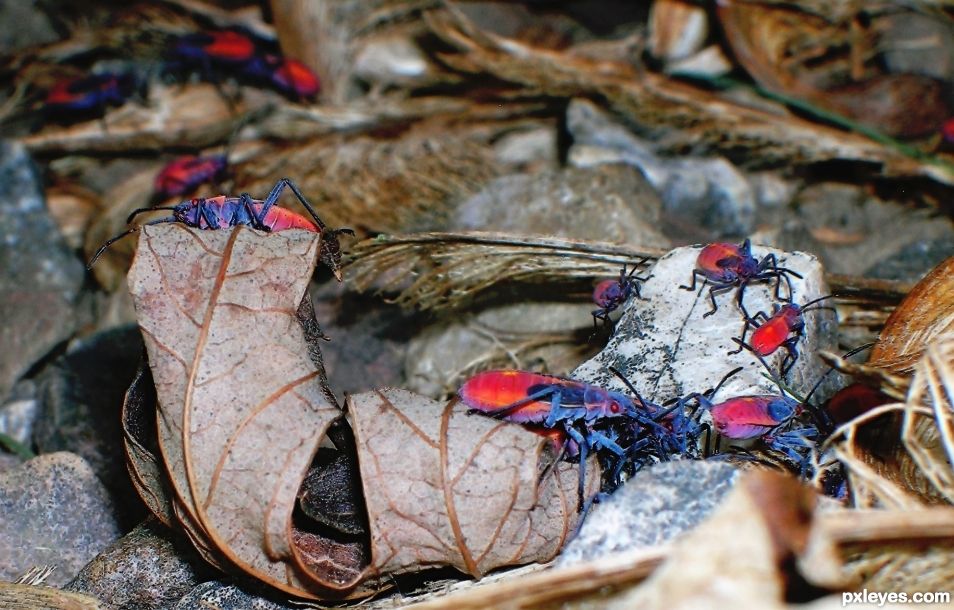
{"x": 223, "y": 212}
{"x": 183, "y": 175}
{"x": 246, "y": 56}
{"x": 624, "y": 433}
{"x": 228, "y": 48}
{"x": 88, "y": 95}
{"x": 609, "y": 295}
{"x": 783, "y": 328}
{"x": 551, "y": 401}
{"x": 289, "y": 76}
{"x": 726, "y": 266}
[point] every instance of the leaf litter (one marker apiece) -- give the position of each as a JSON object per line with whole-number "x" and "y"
{"x": 243, "y": 408}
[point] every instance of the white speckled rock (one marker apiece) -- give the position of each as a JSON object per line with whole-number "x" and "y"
{"x": 666, "y": 348}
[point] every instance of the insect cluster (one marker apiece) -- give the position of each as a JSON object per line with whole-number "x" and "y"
{"x": 626, "y": 431}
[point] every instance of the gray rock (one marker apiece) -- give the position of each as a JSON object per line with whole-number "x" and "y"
{"x": 712, "y": 193}
{"x": 443, "y": 351}
{"x": 913, "y": 262}
{"x": 39, "y": 277}
{"x": 23, "y": 24}
{"x": 55, "y": 511}
{"x": 81, "y": 395}
{"x": 143, "y": 570}
{"x": 393, "y": 59}
{"x": 9, "y": 461}
{"x": 216, "y": 595}
{"x": 525, "y": 147}
{"x": 368, "y": 339}
{"x": 708, "y": 192}
{"x": 918, "y": 44}
{"x": 20, "y": 412}
{"x": 772, "y": 190}
{"x": 652, "y": 508}
{"x": 606, "y": 203}
{"x": 856, "y": 234}
{"x": 599, "y": 138}
{"x": 666, "y": 348}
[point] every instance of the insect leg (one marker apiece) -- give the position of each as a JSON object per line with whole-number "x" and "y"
{"x": 692, "y": 286}
{"x": 717, "y": 289}
{"x": 792, "y": 346}
{"x": 745, "y": 330}
{"x": 294, "y": 188}
{"x": 584, "y": 449}
{"x": 557, "y": 413}
{"x": 209, "y": 214}
{"x": 258, "y": 222}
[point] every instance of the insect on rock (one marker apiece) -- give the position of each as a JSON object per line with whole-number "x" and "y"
{"x": 611, "y": 294}
{"x": 783, "y": 328}
{"x": 224, "y": 212}
{"x": 726, "y": 266}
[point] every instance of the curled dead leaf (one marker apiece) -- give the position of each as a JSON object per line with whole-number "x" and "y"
{"x": 242, "y": 407}
{"x": 445, "y": 487}
{"x": 922, "y": 317}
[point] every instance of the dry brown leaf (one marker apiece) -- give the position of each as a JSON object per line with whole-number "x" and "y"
{"x": 446, "y": 270}
{"x": 241, "y": 407}
{"x": 825, "y": 62}
{"x": 140, "y": 444}
{"x": 32, "y": 597}
{"x": 924, "y": 315}
{"x": 687, "y": 116}
{"x": 445, "y": 487}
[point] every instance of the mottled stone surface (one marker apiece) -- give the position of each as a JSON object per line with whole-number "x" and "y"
{"x": 652, "y": 508}
{"x": 56, "y": 512}
{"x": 216, "y": 595}
{"x": 40, "y": 277}
{"x": 143, "y": 570}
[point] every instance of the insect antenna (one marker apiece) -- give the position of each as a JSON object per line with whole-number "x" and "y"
{"x": 113, "y": 240}
{"x": 808, "y": 306}
{"x": 631, "y": 388}
{"x": 847, "y": 354}
{"x": 139, "y": 211}
{"x": 771, "y": 375}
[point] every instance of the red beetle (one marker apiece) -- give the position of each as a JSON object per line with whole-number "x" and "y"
{"x": 726, "y": 266}
{"x": 184, "y": 174}
{"x": 224, "y": 211}
{"x": 782, "y": 329}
